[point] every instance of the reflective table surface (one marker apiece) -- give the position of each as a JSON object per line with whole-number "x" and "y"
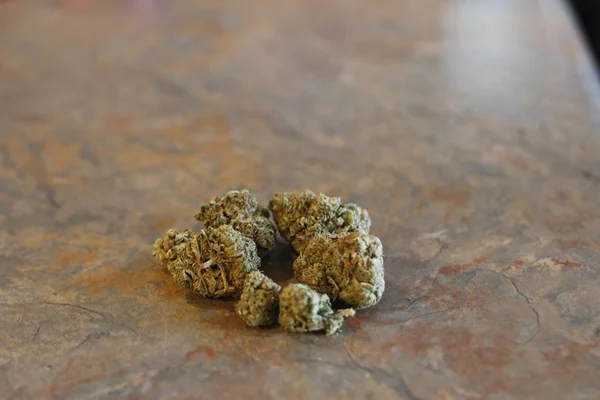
{"x": 468, "y": 129}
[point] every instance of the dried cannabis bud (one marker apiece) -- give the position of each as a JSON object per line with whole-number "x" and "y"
{"x": 240, "y": 209}
{"x": 235, "y": 205}
{"x": 212, "y": 263}
{"x": 347, "y": 267}
{"x": 300, "y": 216}
{"x": 260, "y": 229}
{"x": 301, "y": 309}
{"x": 259, "y": 302}
{"x": 167, "y": 249}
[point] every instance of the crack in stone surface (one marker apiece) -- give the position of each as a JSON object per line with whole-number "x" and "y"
{"x": 395, "y": 382}
{"x": 528, "y": 300}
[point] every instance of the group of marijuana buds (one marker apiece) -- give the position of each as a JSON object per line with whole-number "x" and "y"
{"x": 337, "y": 260}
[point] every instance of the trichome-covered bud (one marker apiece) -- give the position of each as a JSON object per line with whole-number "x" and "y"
{"x": 346, "y": 267}
{"x": 260, "y": 229}
{"x": 302, "y": 309}
{"x": 172, "y": 249}
{"x": 300, "y": 216}
{"x": 226, "y": 257}
{"x": 259, "y": 302}
{"x": 240, "y": 209}
{"x": 235, "y": 205}
{"x": 213, "y": 262}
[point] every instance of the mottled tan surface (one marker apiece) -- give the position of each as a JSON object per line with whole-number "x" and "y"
{"x": 467, "y": 128}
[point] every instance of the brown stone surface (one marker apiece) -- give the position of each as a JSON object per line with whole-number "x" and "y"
{"x": 467, "y": 128}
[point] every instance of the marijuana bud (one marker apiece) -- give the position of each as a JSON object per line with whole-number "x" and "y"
{"x": 240, "y": 209}
{"x": 300, "y": 216}
{"x": 259, "y": 302}
{"x": 226, "y": 257}
{"x": 169, "y": 251}
{"x": 235, "y": 205}
{"x": 302, "y": 309}
{"x": 213, "y": 262}
{"x": 260, "y": 229}
{"x": 347, "y": 267}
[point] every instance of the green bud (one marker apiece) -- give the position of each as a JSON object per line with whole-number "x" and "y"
{"x": 235, "y": 205}
{"x": 302, "y": 309}
{"x": 227, "y": 256}
{"x": 259, "y": 229}
{"x": 240, "y": 209}
{"x": 212, "y": 263}
{"x": 259, "y": 302}
{"x": 174, "y": 247}
{"x": 346, "y": 267}
{"x": 300, "y": 216}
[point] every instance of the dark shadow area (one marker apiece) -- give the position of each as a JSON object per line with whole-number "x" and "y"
{"x": 278, "y": 264}
{"x": 587, "y": 16}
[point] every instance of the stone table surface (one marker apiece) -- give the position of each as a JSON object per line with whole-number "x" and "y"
{"x": 467, "y": 128}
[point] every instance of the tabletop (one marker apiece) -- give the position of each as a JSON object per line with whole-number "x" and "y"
{"x": 467, "y": 128}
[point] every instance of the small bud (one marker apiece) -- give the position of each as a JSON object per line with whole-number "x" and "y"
{"x": 170, "y": 249}
{"x": 212, "y": 263}
{"x": 300, "y": 216}
{"x": 163, "y": 244}
{"x": 347, "y": 267}
{"x": 301, "y": 309}
{"x": 240, "y": 209}
{"x": 235, "y": 205}
{"x": 259, "y": 302}
{"x": 259, "y": 229}
{"x": 227, "y": 256}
